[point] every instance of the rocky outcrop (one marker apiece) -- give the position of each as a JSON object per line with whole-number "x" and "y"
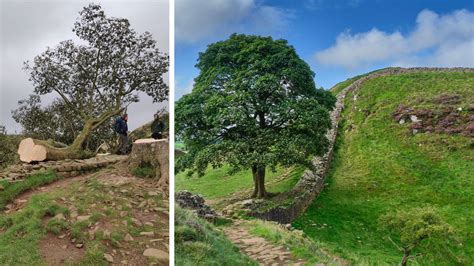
{"x": 312, "y": 182}
{"x": 443, "y": 116}
{"x": 188, "y": 200}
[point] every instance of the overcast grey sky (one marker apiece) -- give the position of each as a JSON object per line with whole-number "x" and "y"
{"x": 28, "y": 27}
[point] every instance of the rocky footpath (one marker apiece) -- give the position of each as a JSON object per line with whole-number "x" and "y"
{"x": 258, "y": 248}
{"x": 65, "y": 168}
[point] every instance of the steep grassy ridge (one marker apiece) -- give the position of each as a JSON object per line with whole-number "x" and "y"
{"x": 380, "y": 166}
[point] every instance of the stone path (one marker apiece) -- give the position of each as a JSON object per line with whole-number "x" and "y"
{"x": 258, "y": 248}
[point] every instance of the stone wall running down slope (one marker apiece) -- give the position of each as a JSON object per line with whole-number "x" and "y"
{"x": 311, "y": 183}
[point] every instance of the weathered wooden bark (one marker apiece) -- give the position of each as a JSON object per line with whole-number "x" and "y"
{"x": 406, "y": 254}
{"x": 152, "y": 153}
{"x": 259, "y": 182}
{"x": 255, "y": 184}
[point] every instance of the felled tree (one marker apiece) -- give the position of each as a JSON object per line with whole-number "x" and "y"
{"x": 420, "y": 227}
{"x": 57, "y": 122}
{"x": 254, "y": 105}
{"x": 97, "y": 80}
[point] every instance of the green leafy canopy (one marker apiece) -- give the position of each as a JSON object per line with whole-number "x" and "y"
{"x": 419, "y": 227}
{"x": 254, "y": 103}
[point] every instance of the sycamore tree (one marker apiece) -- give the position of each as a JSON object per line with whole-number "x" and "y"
{"x": 98, "y": 78}
{"x": 254, "y": 105}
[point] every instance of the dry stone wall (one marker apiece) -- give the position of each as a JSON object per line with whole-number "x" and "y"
{"x": 188, "y": 200}
{"x": 65, "y": 168}
{"x": 312, "y": 182}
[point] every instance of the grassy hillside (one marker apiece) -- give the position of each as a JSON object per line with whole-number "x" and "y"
{"x": 380, "y": 166}
{"x": 198, "y": 242}
{"x": 218, "y": 183}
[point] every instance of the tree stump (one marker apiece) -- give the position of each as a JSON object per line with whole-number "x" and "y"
{"x": 152, "y": 153}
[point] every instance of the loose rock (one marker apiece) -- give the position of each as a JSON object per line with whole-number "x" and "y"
{"x": 108, "y": 258}
{"x": 83, "y": 218}
{"x": 155, "y": 253}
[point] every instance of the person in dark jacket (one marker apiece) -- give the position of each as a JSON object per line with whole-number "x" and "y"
{"x": 157, "y": 128}
{"x": 121, "y": 128}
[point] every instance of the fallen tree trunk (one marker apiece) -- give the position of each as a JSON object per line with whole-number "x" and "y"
{"x": 33, "y": 150}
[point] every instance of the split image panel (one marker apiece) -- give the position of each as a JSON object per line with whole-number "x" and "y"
{"x": 239, "y": 132}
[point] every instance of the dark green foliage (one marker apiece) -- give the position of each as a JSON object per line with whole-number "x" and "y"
{"x": 254, "y": 105}
{"x": 8, "y": 148}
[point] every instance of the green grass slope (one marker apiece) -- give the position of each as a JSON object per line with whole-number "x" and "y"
{"x": 218, "y": 184}
{"x": 198, "y": 242}
{"x": 379, "y": 166}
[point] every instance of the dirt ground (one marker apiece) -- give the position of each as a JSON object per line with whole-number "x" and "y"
{"x": 111, "y": 217}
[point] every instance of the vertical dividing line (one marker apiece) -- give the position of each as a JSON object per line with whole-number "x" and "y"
{"x": 171, "y": 129}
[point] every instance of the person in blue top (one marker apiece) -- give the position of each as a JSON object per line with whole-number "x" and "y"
{"x": 121, "y": 128}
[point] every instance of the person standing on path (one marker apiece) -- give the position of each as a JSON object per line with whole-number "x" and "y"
{"x": 121, "y": 128}
{"x": 157, "y": 127}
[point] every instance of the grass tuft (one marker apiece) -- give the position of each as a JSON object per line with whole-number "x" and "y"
{"x": 12, "y": 190}
{"x": 198, "y": 242}
{"x": 146, "y": 171}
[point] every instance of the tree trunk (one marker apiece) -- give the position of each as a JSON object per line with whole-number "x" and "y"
{"x": 255, "y": 184}
{"x": 406, "y": 254}
{"x": 32, "y": 150}
{"x": 258, "y": 173}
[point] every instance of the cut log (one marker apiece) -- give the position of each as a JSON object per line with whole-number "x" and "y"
{"x": 152, "y": 153}
{"x": 33, "y": 150}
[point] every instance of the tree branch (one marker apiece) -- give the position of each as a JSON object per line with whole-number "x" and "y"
{"x": 94, "y": 83}
{"x": 73, "y": 108}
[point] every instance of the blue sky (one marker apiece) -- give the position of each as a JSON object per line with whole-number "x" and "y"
{"x": 339, "y": 39}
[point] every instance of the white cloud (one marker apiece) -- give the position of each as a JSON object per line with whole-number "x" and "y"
{"x": 444, "y": 40}
{"x": 199, "y": 20}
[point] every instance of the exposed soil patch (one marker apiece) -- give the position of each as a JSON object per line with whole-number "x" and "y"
{"x": 57, "y": 251}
